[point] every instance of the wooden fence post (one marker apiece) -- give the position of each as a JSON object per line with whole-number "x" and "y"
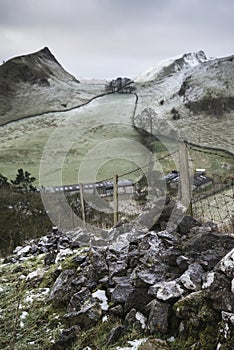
{"x": 82, "y": 202}
{"x": 72, "y": 219}
{"x": 185, "y": 179}
{"x": 115, "y": 194}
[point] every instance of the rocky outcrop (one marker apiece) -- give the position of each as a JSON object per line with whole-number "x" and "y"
{"x": 178, "y": 284}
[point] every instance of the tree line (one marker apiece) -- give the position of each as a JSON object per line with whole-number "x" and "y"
{"x": 22, "y": 213}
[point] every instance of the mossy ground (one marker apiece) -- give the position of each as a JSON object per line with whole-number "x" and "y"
{"x": 28, "y": 321}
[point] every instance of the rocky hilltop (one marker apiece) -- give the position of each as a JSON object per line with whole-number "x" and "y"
{"x": 172, "y": 65}
{"x": 157, "y": 289}
{"x": 35, "y": 68}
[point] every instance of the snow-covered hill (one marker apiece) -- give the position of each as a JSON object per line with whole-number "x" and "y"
{"x": 190, "y": 91}
{"x": 37, "y": 83}
{"x": 172, "y": 65}
{"x": 196, "y": 98}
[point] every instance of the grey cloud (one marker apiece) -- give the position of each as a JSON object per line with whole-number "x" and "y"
{"x": 89, "y": 36}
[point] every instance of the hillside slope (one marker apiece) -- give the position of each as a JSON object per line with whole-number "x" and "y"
{"x": 197, "y": 100}
{"x": 37, "y": 83}
{"x": 172, "y": 65}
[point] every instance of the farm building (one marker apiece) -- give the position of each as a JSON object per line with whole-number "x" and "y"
{"x": 199, "y": 180}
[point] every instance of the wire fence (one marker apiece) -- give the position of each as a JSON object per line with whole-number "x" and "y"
{"x": 211, "y": 198}
{"x": 216, "y": 203}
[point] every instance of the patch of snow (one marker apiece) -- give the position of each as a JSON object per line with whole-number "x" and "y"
{"x": 134, "y": 344}
{"x": 209, "y": 279}
{"x": 1, "y": 289}
{"x": 22, "y": 277}
{"x": 22, "y": 317}
{"x": 232, "y": 286}
{"x": 166, "y": 290}
{"x": 41, "y": 292}
{"x": 228, "y": 317}
{"x": 101, "y": 295}
{"x": 105, "y": 318}
{"x": 171, "y": 339}
{"x": 22, "y": 250}
{"x": 195, "y": 58}
{"x": 25, "y": 258}
{"x": 62, "y": 254}
{"x": 227, "y": 263}
{"x": 39, "y": 273}
{"x": 29, "y": 298}
{"x": 142, "y": 319}
{"x": 17, "y": 249}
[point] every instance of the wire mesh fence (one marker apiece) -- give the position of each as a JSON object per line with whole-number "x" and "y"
{"x": 211, "y": 196}
{"x": 216, "y": 203}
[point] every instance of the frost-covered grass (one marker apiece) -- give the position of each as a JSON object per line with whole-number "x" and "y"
{"x": 63, "y": 93}
{"x": 84, "y": 135}
{"x": 212, "y": 80}
{"x": 28, "y": 320}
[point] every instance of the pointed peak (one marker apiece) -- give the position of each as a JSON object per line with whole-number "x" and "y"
{"x": 46, "y": 53}
{"x": 173, "y": 65}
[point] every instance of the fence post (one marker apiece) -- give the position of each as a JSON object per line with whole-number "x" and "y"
{"x": 72, "y": 219}
{"x": 82, "y": 202}
{"x": 115, "y": 190}
{"x": 185, "y": 179}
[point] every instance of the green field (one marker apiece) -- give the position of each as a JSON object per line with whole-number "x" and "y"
{"x": 89, "y": 144}
{"x": 98, "y": 139}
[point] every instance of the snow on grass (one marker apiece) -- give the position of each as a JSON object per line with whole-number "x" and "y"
{"x": 22, "y": 318}
{"x": 67, "y": 139}
{"x": 38, "y": 294}
{"x": 133, "y": 344}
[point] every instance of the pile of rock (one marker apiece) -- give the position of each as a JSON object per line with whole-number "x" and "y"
{"x": 179, "y": 284}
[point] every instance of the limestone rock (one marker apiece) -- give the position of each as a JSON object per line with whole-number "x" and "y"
{"x": 62, "y": 289}
{"x": 218, "y": 289}
{"x": 167, "y": 291}
{"x": 78, "y": 299}
{"x": 122, "y": 290}
{"x": 115, "y": 334}
{"x": 138, "y": 299}
{"x": 226, "y": 265}
{"x": 158, "y": 316}
{"x": 192, "y": 278}
{"x": 88, "y": 315}
{"x": 67, "y": 337}
{"x": 135, "y": 319}
{"x": 186, "y": 224}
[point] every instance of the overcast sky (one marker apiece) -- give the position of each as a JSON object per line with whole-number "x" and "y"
{"x": 108, "y": 38}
